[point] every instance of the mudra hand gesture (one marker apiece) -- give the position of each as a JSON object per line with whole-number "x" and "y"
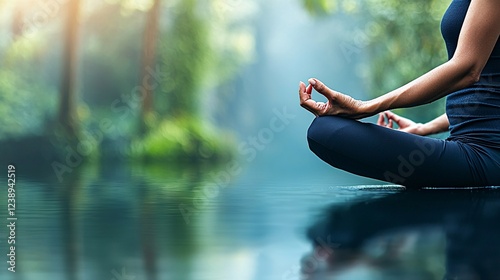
{"x": 388, "y": 118}
{"x": 338, "y": 104}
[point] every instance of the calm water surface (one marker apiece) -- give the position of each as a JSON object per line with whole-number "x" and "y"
{"x": 117, "y": 221}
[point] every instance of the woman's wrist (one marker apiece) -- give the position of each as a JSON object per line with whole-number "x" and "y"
{"x": 424, "y": 129}
{"x": 370, "y": 108}
{"x": 437, "y": 125}
{"x": 432, "y": 128}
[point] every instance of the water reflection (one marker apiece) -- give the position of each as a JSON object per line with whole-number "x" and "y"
{"x": 426, "y": 234}
{"x": 123, "y": 221}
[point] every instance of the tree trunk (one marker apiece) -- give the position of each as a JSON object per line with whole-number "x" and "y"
{"x": 148, "y": 60}
{"x": 17, "y": 23}
{"x": 67, "y": 103}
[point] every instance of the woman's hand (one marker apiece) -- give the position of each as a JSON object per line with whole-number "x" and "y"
{"x": 388, "y": 119}
{"x": 337, "y": 104}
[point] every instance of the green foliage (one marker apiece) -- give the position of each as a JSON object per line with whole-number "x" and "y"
{"x": 403, "y": 40}
{"x": 194, "y": 50}
{"x": 184, "y": 53}
{"x": 320, "y": 6}
{"x": 25, "y": 99}
{"x": 183, "y": 140}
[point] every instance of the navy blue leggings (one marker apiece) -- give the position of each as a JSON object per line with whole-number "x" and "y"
{"x": 398, "y": 157}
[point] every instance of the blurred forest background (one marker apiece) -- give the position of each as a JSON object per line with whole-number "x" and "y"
{"x": 154, "y": 80}
{"x": 186, "y": 114}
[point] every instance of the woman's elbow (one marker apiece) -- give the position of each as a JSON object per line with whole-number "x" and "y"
{"x": 469, "y": 70}
{"x": 473, "y": 76}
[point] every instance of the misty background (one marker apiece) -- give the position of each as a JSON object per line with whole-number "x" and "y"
{"x": 164, "y": 140}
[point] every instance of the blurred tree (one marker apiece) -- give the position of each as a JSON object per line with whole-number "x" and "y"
{"x": 17, "y": 22}
{"x": 199, "y": 47}
{"x": 185, "y": 52}
{"x": 402, "y": 37}
{"x": 195, "y": 47}
{"x": 67, "y": 103}
{"x": 148, "y": 60}
{"x": 28, "y": 101}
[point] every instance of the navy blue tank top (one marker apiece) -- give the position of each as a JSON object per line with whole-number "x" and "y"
{"x": 473, "y": 112}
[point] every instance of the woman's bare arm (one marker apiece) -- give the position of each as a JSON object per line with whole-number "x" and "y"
{"x": 477, "y": 39}
{"x": 437, "y": 125}
{"x": 478, "y": 36}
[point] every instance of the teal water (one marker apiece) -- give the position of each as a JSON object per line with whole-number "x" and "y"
{"x": 117, "y": 221}
{"x": 161, "y": 223}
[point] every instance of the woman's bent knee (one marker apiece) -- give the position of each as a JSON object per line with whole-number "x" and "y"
{"x": 314, "y": 131}
{"x": 325, "y": 127}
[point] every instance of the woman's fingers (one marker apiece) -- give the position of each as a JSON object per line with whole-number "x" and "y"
{"x": 302, "y": 90}
{"x": 305, "y": 98}
{"x": 381, "y": 119}
{"x": 390, "y": 124}
{"x": 309, "y": 89}
{"x": 322, "y": 88}
{"x": 390, "y": 115}
{"x": 385, "y": 121}
{"x": 337, "y": 104}
{"x": 400, "y": 121}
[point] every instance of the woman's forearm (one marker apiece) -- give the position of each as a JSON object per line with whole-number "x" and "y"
{"x": 439, "y": 82}
{"x": 478, "y": 37}
{"x": 437, "y": 125}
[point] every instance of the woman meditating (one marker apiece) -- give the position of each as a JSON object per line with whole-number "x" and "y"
{"x": 470, "y": 80}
